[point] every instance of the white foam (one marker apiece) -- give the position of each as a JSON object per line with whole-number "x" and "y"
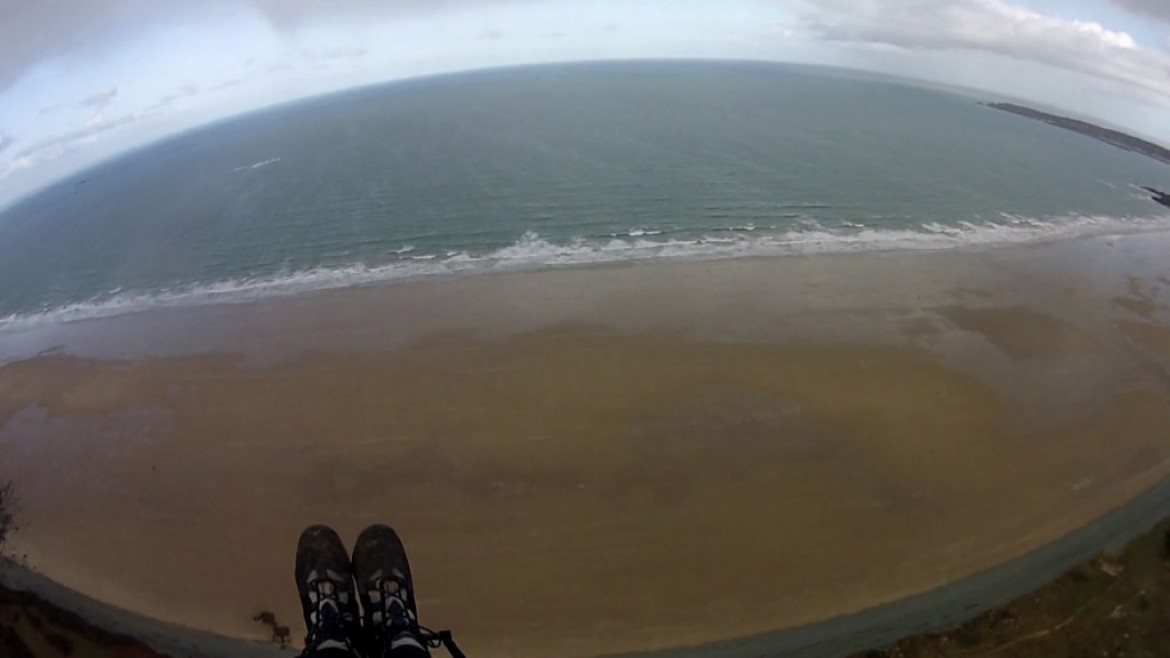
{"x": 636, "y": 233}
{"x": 257, "y": 165}
{"x": 532, "y": 251}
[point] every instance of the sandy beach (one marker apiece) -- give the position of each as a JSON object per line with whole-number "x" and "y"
{"x": 600, "y": 460}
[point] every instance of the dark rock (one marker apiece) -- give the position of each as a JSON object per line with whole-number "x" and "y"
{"x": 1158, "y": 196}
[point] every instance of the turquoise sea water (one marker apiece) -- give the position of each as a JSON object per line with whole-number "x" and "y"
{"x": 545, "y": 166}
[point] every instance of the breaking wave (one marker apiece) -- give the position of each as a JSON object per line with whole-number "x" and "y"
{"x": 532, "y": 252}
{"x": 256, "y": 165}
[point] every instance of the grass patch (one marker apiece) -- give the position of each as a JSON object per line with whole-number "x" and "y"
{"x": 1110, "y": 606}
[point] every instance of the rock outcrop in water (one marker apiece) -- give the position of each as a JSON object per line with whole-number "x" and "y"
{"x": 1158, "y": 196}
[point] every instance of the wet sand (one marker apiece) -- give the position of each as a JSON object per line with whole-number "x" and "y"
{"x": 600, "y": 460}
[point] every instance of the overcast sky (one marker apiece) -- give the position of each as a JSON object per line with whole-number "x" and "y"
{"x": 83, "y": 79}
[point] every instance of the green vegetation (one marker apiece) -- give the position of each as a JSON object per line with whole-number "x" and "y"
{"x": 1110, "y": 606}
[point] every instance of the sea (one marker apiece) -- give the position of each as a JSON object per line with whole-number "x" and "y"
{"x": 558, "y": 165}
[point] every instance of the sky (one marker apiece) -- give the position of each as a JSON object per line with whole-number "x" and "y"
{"x": 83, "y": 80}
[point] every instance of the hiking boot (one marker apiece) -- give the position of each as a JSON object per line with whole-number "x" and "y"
{"x": 325, "y": 584}
{"x": 389, "y": 613}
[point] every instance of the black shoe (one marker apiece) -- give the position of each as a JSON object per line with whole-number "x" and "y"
{"x": 325, "y": 583}
{"x": 389, "y": 612}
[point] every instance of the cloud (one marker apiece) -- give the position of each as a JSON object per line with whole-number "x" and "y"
{"x": 226, "y": 84}
{"x": 56, "y": 147}
{"x": 100, "y": 99}
{"x": 351, "y": 52}
{"x": 96, "y": 101}
{"x": 1156, "y": 8}
{"x": 34, "y": 30}
{"x": 992, "y": 26}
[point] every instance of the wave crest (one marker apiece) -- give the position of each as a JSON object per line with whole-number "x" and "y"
{"x": 532, "y": 251}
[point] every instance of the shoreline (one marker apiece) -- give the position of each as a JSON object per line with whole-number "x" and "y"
{"x": 831, "y": 380}
{"x": 327, "y": 280}
{"x": 1052, "y": 258}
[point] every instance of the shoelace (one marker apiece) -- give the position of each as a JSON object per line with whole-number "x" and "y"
{"x": 330, "y": 619}
{"x": 436, "y": 639}
{"x": 403, "y": 621}
{"x": 396, "y": 613}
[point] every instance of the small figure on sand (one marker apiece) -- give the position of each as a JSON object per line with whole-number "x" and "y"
{"x": 280, "y": 634}
{"x": 387, "y": 626}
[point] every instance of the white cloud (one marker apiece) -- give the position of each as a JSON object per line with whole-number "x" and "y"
{"x": 993, "y": 26}
{"x": 33, "y": 30}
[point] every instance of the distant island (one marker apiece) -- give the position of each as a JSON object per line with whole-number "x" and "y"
{"x": 1107, "y": 135}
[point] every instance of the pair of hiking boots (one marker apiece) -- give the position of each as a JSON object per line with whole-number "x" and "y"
{"x": 388, "y": 622}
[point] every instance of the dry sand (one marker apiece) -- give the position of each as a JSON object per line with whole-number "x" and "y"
{"x": 600, "y": 460}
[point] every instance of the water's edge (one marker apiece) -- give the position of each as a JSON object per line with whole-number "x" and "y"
{"x": 534, "y": 253}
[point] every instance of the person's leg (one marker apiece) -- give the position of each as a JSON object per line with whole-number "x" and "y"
{"x": 386, "y": 590}
{"x": 325, "y": 584}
